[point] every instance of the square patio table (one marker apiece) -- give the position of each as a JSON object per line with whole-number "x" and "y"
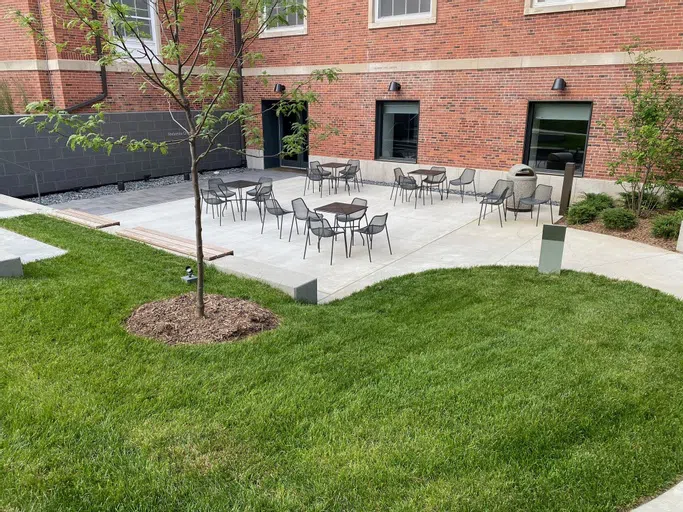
{"x": 426, "y": 172}
{"x": 240, "y": 185}
{"x": 341, "y": 208}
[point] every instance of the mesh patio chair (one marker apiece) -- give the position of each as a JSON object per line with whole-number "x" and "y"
{"x": 376, "y": 225}
{"x": 263, "y": 191}
{"x": 509, "y": 194}
{"x": 222, "y": 190}
{"x": 542, "y": 195}
{"x": 432, "y": 183}
{"x": 316, "y": 175}
{"x": 496, "y": 197}
{"x": 301, "y": 212}
{"x": 398, "y": 174}
{"x": 214, "y": 184}
{"x": 211, "y": 197}
{"x": 466, "y": 178}
{"x": 271, "y": 206}
{"x": 253, "y": 191}
{"x": 350, "y": 174}
{"x": 360, "y": 172}
{"x": 314, "y": 165}
{"x": 408, "y": 184}
{"x": 321, "y": 228}
{"x": 353, "y": 218}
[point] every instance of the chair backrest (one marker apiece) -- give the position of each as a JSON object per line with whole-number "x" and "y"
{"x": 351, "y": 171}
{"x": 301, "y": 211}
{"x": 467, "y": 176}
{"x": 314, "y": 164}
{"x": 264, "y": 189}
{"x": 501, "y": 188}
{"x": 215, "y": 183}
{"x": 437, "y": 168}
{"x": 354, "y": 163}
{"x": 265, "y": 180}
{"x": 209, "y": 196}
{"x": 543, "y": 192}
{"x": 273, "y": 206}
{"x": 359, "y": 201}
{"x": 406, "y": 180}
{"x": 320, "y": 226}
{"x": 379, "y": 220}
{"x": 315, "y": 172}
{"x": 398, "y": 174}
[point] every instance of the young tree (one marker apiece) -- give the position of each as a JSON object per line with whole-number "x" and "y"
{"x": 197, "y": 70}
{"x": 648, "y": 142}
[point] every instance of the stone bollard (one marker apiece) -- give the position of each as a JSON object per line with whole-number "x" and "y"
{"x": 679, "y": 247}
{"x": 552, "y": 249}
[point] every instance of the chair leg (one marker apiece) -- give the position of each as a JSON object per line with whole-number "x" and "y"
{"x": 388, "y": 241}
{"x": 232, "y": 207}
{"x": 392, "y": 191}
{"x": 500, "y": 217}
{"x": 552, "y": 221}
{"x": 263, "y": 223}
{"x": 305, "y": 185}
{"x": 474, "y": 185}
{"x": 368, "y": 244}
{"x": 292, "y": 228}
{"x": 308, "y": 236}
{"x": 332, "y": 251}
{"x": 481, "y": 209}
{"x": 538, "y": 214}
{"x": 395, "y": 197}
{"x": 346, "y": 251}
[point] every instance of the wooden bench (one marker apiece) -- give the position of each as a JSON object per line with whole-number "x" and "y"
{"x": 84, "y": 219}
{"x": 172, "y": 243}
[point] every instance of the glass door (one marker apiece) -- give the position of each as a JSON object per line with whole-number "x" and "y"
{"x": 286, "y": 124}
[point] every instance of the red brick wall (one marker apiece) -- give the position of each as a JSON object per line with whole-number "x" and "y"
{"x": 467, "y": 118}
{"x": 338, "y": 32}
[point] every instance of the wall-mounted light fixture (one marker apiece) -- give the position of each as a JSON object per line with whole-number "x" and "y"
{"x": 560, "y": 84}
{"x": 394, "y": 87}
{"x": 279, "y": 88}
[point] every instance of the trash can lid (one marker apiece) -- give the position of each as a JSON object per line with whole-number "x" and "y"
{"x": 521, "y": 170}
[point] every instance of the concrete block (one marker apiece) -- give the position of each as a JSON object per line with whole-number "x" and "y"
{"x": 552, "y": 249}
{"x": 679, "y": 247}
{"x": 10, "y": 265}
{"x": 300, "y": 287}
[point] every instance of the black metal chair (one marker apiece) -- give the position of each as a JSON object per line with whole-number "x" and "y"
{"x": 213, "y": 198}
{"x": 262, "y": 180}
{"x": 301, "y": 212}
{"x": 316, "y": 175}
{"x": 271, "y": 206}
{"x": 376, "y": 225}
{"x": 466, "y": 178}
{"x": 432, "y": 183}
{"x": 263, "y": 191}
{"x": 319, "y": 171}
{"x": 360, "y": 172}
{"x": 408, "y": 184}
{"x": 496, "y": 197}
{"x": 542, "y": 195}
{"x": 221, "y": 189}
{"x": 321, "y": 228}
{"x": 350, "y": 174}
{"x": 398, "y": 174}
{"x": 352, "y": 218}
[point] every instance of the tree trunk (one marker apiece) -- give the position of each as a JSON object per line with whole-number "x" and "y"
{"x": 198, "y": 228}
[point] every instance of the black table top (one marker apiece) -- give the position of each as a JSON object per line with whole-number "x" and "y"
{"x": 426, "y": 172}
{"x": 241, "y": 184}
{"x": 341, "y": 208}
{"x": 334, "y": 165}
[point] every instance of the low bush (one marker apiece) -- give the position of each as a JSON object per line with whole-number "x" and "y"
{"x": 581, "y": 213}
{"x": 667, "y": 226}
{"x": 619, "y": 218}
{"x": 674, "y": 199}
{"x": 651, "y": 201}
{"x": 600, "y": 201}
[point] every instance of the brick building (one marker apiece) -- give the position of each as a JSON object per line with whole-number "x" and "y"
{"x": 476, "y": 79}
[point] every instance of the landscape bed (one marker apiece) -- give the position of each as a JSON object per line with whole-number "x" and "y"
{"x": 492, "y": 388}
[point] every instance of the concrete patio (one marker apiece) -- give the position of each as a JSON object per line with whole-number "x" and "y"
{"x": 441, "y": 235}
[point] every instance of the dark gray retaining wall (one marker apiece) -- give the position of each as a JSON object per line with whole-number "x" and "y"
{"x": 25, "y": 154}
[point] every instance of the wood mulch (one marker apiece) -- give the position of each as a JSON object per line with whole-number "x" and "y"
{"x": 174, "y": 321}
{"x": 641, "y": 233}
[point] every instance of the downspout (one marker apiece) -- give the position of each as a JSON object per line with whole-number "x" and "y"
{"x": 103, "y": 77}
{"x": 237, "y": 30}
{"x": 47, "y": 56}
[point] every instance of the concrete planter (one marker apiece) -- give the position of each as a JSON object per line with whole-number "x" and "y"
{"x": 679, "y": 247}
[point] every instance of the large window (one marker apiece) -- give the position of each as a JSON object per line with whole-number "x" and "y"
{"x": 541, "y": 6}
{"x": 557, "y": 134}
{"x": 285, "y": 17}
{"x": 388, "y": 8}
{"x": 140, "y": 16}
{"x": 397, "y": 126}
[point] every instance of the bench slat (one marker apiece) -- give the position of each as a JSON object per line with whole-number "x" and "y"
{"x": 84, "y": 218}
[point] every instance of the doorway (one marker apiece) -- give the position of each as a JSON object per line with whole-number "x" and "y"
{"x": 274, "y": 129}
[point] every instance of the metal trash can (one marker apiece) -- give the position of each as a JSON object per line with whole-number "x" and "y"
{"x": 524, "y": 178}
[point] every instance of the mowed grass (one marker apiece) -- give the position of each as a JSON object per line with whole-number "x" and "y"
{"x": 478, "y": 390}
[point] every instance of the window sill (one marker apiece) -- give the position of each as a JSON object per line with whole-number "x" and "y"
{"x": 285, "y": 32}
{"x": 403, "y": 22}
{"x": 397, "y": 160}
{"x": 529, "y": 9}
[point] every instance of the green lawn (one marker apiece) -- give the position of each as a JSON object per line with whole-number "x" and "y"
{"x": 478, "y": 390}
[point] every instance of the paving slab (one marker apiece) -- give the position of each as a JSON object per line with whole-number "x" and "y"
{"x": 26, "y": 248}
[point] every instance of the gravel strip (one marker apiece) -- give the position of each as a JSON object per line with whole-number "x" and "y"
{"x": 108, "y": 190}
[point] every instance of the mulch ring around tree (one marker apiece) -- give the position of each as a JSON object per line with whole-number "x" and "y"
{"x": 174, "y": 321}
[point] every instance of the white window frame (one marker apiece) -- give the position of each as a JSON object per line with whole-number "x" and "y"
{"x": 287, "y": 30}
{"x": 134, "y": 45}
{"x": 548, "y": 6}
{"x": 402, "y": 20}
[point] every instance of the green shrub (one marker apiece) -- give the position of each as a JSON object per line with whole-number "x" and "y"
{"x": 600, "y": 201}
{"x": 651, "y": 201}
{"x": 581, "y": 213}
{"x": 619, "y": 218}
{"x": 667, "y": 226}
{"x": 674, "y": 199}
